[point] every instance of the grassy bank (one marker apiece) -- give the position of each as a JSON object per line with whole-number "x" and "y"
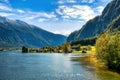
{"x": 99, "y": 67}
{"x": 92, "y": 50}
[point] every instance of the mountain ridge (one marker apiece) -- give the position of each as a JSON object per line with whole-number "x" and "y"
{"x": 17, "y": 33}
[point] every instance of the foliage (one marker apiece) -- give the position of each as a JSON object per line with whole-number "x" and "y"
{"x": 84, "y": 42}
{"x": 89, "y": 49}
{"x": 66, "y": 47}
{"x": 101, "y": 43}
{"x": 108, "y": 50}
{"x": 76, "y": 47}
{"x": 24, "y": 49}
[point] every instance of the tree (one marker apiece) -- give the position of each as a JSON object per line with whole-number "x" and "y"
{"x": 66, "y": 47}
{"x": 101, "y": 43}
{"x": 108, "y": 50}
{"x": 113, "y": 53}
{"x": 24, "y": 49}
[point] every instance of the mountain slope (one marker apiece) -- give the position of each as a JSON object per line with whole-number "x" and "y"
{"x": 97, "y": 25}
{"x": 114, "y": 25}
{"x": 18, "y": 33}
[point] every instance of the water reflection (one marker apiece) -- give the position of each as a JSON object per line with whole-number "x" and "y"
{"x": 18, "y": 66}
{"x": 101, "y": 73}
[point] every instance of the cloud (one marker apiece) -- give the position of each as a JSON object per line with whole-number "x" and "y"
{"x": 64, "y": 32}
{"x": 87, "y": 1}
{"x": 104, "y": 1}
{"x": 77, "y": 12}
{"x": 29, "y": 15}
{"x": 75, "y": 1}
{"x": 57, "y": 32}
{"x": 64, "y": 11}
{"x": 72, "y": 1}
{"x": 20, "y": 11}
{"x": 99, "y": 10}
{"x": 48, "y": 15}
{"x": 65, "y": 17}
{"x": 66, "y": 1}
{"x": 40, "y": 16}
{"x": 41, "y": 19}
{"x": 5, "y": 8}
{"x": 6, "y": 14}
{"x": 7, "y": 11}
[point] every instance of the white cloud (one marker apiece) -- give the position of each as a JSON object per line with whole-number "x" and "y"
{"x": 91, "y": 1}
{"x": 76, "y": 12}
{"x": 5, "y": 14}
{"x": 5, "y": 8}
{"x": 41, "y": 19}
{"x": 99, "y": 10}
{"x": 57, "y": 32}
{"x": 105, "y": 1}
{"x": 50, "y": 15}
{"x": 65, "y": 17}
{"x": 75, "y": 1}
{"x": 66, "y": 1}
{"x": 7, "y": 11}
{"x": 64, "y": 32}
{"x": 34, "y": 15}
{"x": 72, "y": 1}
{"x": 20, "y": 11}
{"x": 30, "y": 17}
{"x": 87, "y": 1}
{"x": 39, "y": 16}
{"x": 60, "y": 2}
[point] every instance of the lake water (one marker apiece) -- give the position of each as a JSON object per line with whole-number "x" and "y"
{"x": 17, "y": 66}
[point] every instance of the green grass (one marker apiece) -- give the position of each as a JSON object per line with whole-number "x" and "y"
{"x": 92, "y": 51}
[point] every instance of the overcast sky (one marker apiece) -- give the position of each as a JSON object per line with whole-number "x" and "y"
{"x": 57, "y": 16}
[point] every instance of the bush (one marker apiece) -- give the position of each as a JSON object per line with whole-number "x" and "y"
{"x": 66, "y": 47}
{"x": 108, "y": 50}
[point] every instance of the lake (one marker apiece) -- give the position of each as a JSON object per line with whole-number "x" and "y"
{"x": 45, "y": 66}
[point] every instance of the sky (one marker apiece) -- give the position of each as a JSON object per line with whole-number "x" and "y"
{"x": 57, "y": 16}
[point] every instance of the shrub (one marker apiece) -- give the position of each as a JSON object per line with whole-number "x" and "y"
{"x": 108, "y": 50}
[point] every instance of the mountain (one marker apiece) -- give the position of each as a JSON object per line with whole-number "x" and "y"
{"x": 16, "y": 33}
{"x": 114, "y": 25}
{"x": 99, "y": 24}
